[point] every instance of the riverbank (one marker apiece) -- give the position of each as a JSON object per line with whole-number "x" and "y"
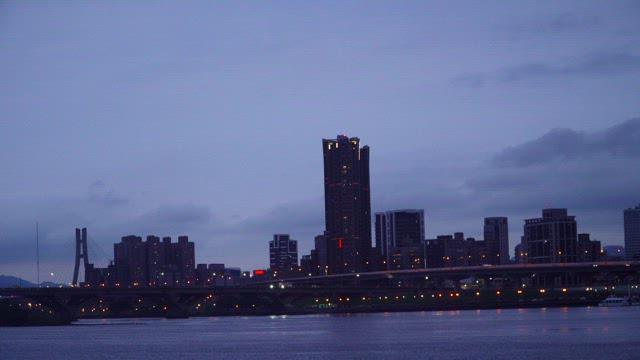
{"x": 21, "y": 313}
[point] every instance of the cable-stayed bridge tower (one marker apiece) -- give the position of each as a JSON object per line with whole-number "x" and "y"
{"x": 81, "y": 253}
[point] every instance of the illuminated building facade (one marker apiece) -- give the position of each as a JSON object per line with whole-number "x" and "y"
{"x": 283, "y": 254}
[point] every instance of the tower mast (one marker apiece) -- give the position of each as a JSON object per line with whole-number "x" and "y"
{"x": 37, "y": 255}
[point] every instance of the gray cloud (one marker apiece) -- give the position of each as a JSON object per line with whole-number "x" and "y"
{"x": 565, "y": 144}
{"x": 197, "y": 221}
{"x": 606, "y": 63}
{"x": 562, "y": 23}
{"x": 595, "y": 175}
{"x": 99, "y": 193}
{"x": 593, "y": 64}
{"x": 302, "y": 217}
{"x": 172, "y": 215}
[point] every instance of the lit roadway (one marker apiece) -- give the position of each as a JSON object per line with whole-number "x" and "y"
{"x": 366, "y": 280}
{"x": 570, "y": 284}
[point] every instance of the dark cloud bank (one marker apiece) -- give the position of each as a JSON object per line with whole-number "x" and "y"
{"x": 592, "y": 64}
{"x": 595, "y": 175}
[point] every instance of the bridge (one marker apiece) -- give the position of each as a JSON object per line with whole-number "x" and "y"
{"x": 418, "y": 289}
{"x": 558, "y": 274}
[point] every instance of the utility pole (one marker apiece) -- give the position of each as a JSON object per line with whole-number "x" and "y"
{"x": 37, "y": 255}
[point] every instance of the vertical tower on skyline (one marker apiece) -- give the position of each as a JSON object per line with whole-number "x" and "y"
{"x": 81, "y": 253}
{"x": 632, "y": 233}
{"x": 347, "y": 204}
{"x": 496, "y": 237}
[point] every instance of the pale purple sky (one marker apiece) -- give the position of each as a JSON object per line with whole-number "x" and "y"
{"x": 206, "y": 118}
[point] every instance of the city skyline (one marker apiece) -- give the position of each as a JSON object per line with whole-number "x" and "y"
{"x": 309, "y": 245}
{"x": 320, "y": 179}
{"x": 211, "y": 127}
{"x": 337, "y": 169}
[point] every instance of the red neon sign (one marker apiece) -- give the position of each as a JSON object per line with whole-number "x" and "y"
{"x": 259, "y": 272}
{"x": 339, "y": 243}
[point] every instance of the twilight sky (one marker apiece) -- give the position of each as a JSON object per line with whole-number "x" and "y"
{"x": 206, "y": 118}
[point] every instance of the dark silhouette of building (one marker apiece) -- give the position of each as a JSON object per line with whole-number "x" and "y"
{"x": 212, "y": 275}
{"x": 156, "y": 260}
{"x": 307, "y": 264}
{"x": 347, "y": 204}
{"x": 184, "y": 251}
{"x": 447, "y": 251}
{"x": 283, "y": 255}
{"x": 321, "y": 254}
{"x": 130, "y": 259}
{"x": 400, "y": 238}
{"x": 551, "y": 238}
{"x": 632, "y": 233}
{"x": 455, "y": 250}
{"x": 151, "y": 263}
{"x": 588, "y": 250}
{"x": 496, "y": 240}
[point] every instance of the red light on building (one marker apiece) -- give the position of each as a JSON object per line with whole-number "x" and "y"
{"x": 259, "y": 272}
{"x": 339, "y": 243}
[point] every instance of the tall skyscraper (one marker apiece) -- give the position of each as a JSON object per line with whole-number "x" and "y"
{"x": 400, "y": 237}
{"x": 632, "y": 233}
{"x": 283, "y": 254}
{"x": 496, "y": 238}
{"x": 551, "y": 238}
{"x": 347, "y": 204}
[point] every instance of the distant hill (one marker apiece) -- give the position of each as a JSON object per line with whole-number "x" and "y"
{"x": 12, "y": 281}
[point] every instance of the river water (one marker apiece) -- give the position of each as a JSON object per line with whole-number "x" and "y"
{"x": 554, "y": 333}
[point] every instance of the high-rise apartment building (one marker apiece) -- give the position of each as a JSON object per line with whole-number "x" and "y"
{"x": 400, "y": 238}
{"x": 496, "y": 240}
{"x": 632, "y": 233}
{"x": 347, "y": 204}
{"x": 551, "y": 238}
{"x": 130, "y": 259}
{"x": 156, "y": 260}
{"x": 184, "y": 251}
{"x": 151, "y": 262}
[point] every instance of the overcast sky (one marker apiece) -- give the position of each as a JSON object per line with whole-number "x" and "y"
{"x": 206, "y": 118}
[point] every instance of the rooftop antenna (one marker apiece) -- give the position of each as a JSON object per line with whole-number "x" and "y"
{"x": 37, "y": 255}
